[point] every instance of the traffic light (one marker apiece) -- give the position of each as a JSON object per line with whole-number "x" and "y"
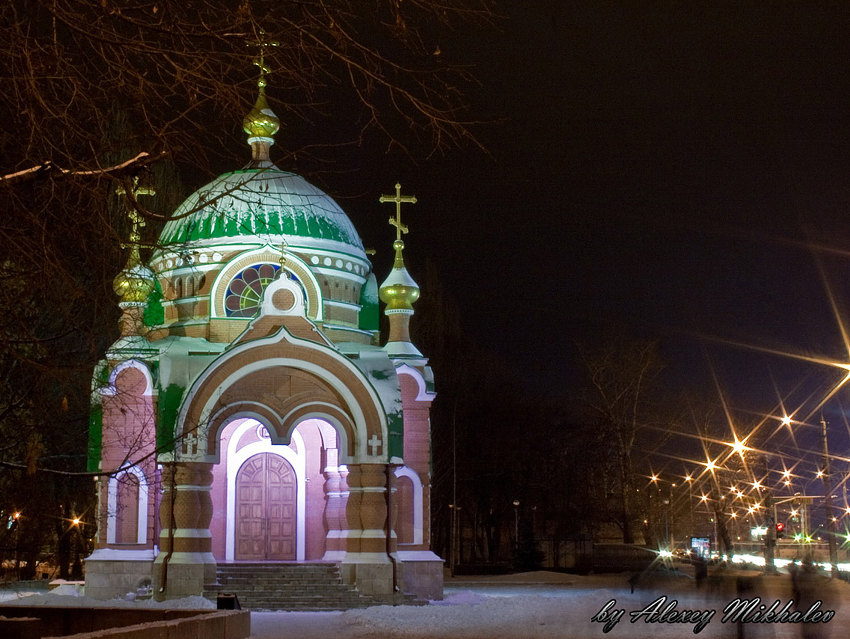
{"x": 780, "y": 530}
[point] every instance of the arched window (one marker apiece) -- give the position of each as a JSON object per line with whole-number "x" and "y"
{"x": 245, "y": 291}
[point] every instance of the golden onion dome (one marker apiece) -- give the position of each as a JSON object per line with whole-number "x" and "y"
{"x": 134, "y": 284}
{"x": 261, "y": 121}
{"x": 399, "y": 291}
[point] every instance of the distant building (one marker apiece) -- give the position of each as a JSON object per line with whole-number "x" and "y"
{"x": 248, "y": 412}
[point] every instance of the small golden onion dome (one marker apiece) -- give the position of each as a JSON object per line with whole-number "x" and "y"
{"x": 261, "y": 121}
{"x": 399, "y": 291}
{"x": 135, "y": 282}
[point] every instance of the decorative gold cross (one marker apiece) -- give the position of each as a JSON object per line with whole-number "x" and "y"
{"x": 133, "y": 213}
{"x": 138, "y": 222}
{"x": 261, "y": 43}
{"x": 398, "y": 199}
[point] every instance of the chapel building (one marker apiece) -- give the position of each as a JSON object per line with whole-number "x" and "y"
{"x": 251, "y": 415}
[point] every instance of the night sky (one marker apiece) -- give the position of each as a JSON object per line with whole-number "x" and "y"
{"x": 665, "y": 166}
{"x": 677, "y": 170}
{"x": 674, "y": 170}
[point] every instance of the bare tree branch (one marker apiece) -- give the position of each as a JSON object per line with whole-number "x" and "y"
{"x": 49, "y": 169}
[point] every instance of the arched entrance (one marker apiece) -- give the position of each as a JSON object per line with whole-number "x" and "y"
{"x": 266, "y": 521}
{"x": 282, "y": 373}
{"x": 312, "y": 454}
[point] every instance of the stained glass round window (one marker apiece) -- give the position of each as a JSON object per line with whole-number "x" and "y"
{"x": 245, "y": 291}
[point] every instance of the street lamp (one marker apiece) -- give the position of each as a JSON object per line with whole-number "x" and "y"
{"x": 76, "y": 541}
{"x": 689, "y": 480}
{"x": 824, "y": 475}
{"x": 455, "y": 549}
{"x": 516, "y": 523}
{"x": 827, "y": 490}
{"x": 17, "y": 524}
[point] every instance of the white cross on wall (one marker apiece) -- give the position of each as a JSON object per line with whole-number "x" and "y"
{"x": 191, "y": 444}
{"x": 374, "y": 444}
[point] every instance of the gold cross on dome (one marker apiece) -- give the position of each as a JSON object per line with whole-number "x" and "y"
{"x": 138, "y": 222}
{"x": 135, "y": 188}
{"x": 261, "y": 43}
{"x": 398, "y": 199}
{"x": 136, "y": 219}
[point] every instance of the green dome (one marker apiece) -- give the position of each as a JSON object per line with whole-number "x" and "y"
{"x": 266, "y": 204}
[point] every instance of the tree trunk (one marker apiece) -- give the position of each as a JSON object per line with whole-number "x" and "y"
{"x": 63, "y": 552}
{"x": 626, "y": 496}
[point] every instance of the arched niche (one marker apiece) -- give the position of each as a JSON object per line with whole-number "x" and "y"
{"x": 116, "y": 508}
{"x": 414, "y": 508}
{"x": 131, "y": 376}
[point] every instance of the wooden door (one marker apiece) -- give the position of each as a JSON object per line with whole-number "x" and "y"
{"x": 265, "y": 509}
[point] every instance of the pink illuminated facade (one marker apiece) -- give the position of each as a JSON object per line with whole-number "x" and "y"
{"x": 249, "y": 411}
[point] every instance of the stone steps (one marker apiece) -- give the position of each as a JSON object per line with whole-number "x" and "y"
{"x": 314, "y": 587}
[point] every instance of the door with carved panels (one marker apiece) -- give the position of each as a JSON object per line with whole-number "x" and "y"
{"x": 266, "y": 509}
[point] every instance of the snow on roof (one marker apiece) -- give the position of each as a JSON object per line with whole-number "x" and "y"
{"x": 267, "y": 203}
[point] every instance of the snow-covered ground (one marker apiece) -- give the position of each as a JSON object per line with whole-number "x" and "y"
{"x": 70, "y": 596}
{"x": 545, "y": 605}
{"x": 549, "y": 605}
